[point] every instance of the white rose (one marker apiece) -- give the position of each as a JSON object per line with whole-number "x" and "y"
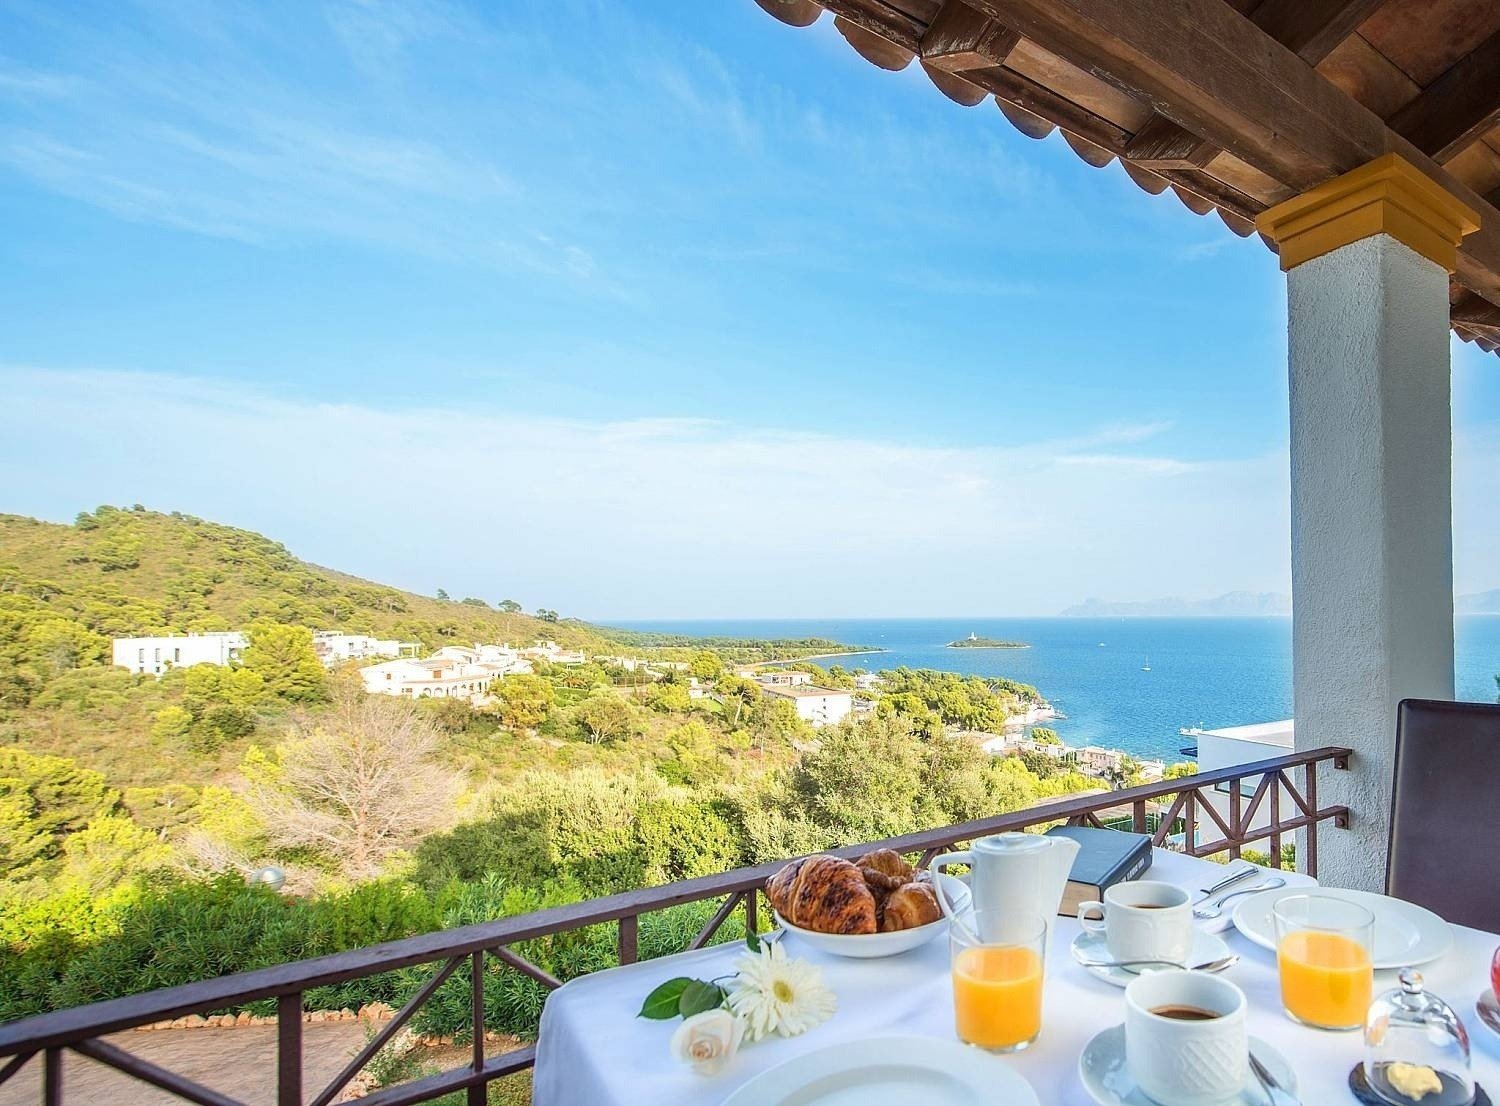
{"x": 708, "y": 1040}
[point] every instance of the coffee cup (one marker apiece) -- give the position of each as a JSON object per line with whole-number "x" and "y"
{"x": 1142, "y": 920}
{"x": 1185, "y": 1042}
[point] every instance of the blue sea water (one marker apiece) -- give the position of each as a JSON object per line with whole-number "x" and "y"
{"x": 1208, "y": 672}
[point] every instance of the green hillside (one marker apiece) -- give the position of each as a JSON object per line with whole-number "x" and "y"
{"x": 127, "y": 572}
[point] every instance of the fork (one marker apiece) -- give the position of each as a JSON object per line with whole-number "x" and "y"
{"x": 1216, "y": 907}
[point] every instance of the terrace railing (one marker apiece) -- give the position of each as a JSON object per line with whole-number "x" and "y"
{"x": 83, "y": 1028}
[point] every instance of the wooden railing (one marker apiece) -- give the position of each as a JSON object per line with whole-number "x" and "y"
{"x": 82, "y": 1028}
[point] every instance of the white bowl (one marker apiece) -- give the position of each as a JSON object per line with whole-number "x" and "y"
{"x": 872, "y": 945}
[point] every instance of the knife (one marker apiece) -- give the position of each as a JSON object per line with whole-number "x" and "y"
{"x": 1229, "y": 880}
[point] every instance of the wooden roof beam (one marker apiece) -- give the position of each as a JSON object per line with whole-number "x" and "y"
{"x": 1162, "y": 144}
{"x": 1312, "y": 28}
{"x": 1215, "y": 73}
{"x": 1457, "y": 108}
{"x": 1474, "y": 311}
{"x": 960, "y": 38}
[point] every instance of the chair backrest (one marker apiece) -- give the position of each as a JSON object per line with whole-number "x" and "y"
{"x": 1444, "y": 833}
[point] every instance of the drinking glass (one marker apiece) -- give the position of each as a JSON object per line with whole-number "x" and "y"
{"x": 1323, "y": 953}
{"x": 997, "y": 981}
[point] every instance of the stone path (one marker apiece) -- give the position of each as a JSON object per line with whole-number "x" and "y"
{"x": 240, "y": 1063}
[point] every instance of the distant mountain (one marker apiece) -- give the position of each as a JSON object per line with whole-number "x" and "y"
{"x": 1229, "y": 605}
{"x": 1481, "y": 602}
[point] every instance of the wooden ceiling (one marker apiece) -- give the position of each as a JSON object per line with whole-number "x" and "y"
{"x": 1233, "y": 105}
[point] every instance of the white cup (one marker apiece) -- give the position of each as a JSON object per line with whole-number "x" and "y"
{"x": 1143, "y": 920}
{"x": 1179, "y": 1062}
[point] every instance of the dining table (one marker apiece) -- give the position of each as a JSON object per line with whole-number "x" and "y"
{"x": 593, "y": 1049}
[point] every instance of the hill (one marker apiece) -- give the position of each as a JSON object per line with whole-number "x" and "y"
{"x": 65, "y": 591}
{"x": 134, "y": 572}
{"x": 1234, "y": 604}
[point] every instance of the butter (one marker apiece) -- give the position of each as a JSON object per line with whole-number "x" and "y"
{"x": 1413, "y": 1080}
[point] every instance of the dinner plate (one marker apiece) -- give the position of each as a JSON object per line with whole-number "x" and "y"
{"x": 1405, "y": 934}
{"x": 912, "y": 1071}
{"x": 872, "y": 945}
{"x": 1105, "y": 1076}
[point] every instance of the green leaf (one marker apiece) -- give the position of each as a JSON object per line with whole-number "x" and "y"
{"x": 752, "y": 939}
{"x": 662, "y": 1002}
{"x": 698, "y": 997}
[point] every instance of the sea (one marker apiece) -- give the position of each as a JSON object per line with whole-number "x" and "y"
{"x": 1123, "y": 683}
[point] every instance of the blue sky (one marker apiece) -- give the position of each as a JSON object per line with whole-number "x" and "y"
{"x": 652, "y": 309}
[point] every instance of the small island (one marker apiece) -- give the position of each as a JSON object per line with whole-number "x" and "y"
{"x": 974, "y": 641}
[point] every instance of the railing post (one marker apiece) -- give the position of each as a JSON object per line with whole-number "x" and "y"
{"x": 629, "y": 942}
{"x": 289, "y": 1049}
{"x": 1310, "y": 793}
{"x": 1190, "y": 824}
{"x": 1275, "y": 797}
{"x": 478, "y": 1093}
{"x": 1237, "y": 830}
{"x": 1138, "y": 816}
{"x": 52, "y": 1084}
{"x": 752, "y": 912}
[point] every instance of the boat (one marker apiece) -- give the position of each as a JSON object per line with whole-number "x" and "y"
{"x": 1147, "y": 666}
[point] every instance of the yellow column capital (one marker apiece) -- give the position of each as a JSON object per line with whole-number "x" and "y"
{"x": 1390, "y": 196}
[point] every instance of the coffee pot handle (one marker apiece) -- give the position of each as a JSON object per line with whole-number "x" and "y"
{"x": 935, "y": 867}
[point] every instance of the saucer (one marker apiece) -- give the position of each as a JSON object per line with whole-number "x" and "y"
{"x": 1092, "y": 946}
{"x": 1106, "y": 1078}
{"x": 1489, "y": 1011}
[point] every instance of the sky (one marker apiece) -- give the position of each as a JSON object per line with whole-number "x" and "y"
{"x": 645, "y": 309}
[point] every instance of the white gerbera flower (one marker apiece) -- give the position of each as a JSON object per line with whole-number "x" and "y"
{"x": 776, "y": 995}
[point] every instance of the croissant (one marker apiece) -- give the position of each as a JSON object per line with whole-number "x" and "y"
{"x": 887, "y": 862}
{"x": 824, "y": 894}
{"x": 909, "y": 906}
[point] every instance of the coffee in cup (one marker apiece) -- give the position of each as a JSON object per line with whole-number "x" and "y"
{"x": 1142, "y": 920}
{"x": 1185, "y": 1042}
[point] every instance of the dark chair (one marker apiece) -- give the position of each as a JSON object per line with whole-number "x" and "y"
{"x": 1445, "y": 840}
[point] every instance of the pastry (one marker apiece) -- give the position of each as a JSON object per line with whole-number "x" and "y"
{"x": 823, "y": 894}
{"x": 909, "y": 906}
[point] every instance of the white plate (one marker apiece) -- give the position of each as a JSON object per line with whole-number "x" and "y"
{"x": 912, "y": 1071}
{"x": 1106, "y": 1078}
{"x": 1092, "y": 946}
{"x": 871, "y": 945}
{"x": 1405, "y": 934}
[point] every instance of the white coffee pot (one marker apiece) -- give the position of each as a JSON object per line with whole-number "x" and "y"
{"x": 1011, "y": 873}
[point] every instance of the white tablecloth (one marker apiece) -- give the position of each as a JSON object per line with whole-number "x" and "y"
{"x": 594, "y": 1051}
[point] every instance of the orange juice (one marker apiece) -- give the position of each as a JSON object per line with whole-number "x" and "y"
{"x": 1326, "y": 978}
{"x": 997, "y": 995}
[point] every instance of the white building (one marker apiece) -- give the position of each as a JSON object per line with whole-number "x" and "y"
{"x": 156, "y": 655}
{"x": 868, "y": 681}
{"x": 333, "y": 647}
{"x": 453, "y": 672}
{"x": 1235, "y": 745}
{"x": 820, "y": 706}
{"x": 553, "y": 653}
{"x": 782, "y": 677}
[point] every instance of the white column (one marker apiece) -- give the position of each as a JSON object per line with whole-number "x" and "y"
{"x": 1367, "y": 257}
{"x": 1372, "y": 550}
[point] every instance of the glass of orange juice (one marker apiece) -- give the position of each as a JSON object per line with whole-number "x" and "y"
{"x": 998, "y": 961}
{"x": 1323, "y": 954}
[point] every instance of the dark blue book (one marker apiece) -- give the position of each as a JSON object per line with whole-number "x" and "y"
{"x": 1105, "y": 857}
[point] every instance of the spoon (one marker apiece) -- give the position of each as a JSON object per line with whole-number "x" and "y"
{"x": 1217, "y": 965}
{"x": 1215, "y": 908}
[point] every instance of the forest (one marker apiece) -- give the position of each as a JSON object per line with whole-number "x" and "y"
{"x": 135, "y": 812}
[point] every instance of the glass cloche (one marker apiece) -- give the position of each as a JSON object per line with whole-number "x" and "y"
{"x": 1416, "y": 1049}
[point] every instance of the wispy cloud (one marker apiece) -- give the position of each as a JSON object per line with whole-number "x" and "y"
{"x": 650, "y": 516}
